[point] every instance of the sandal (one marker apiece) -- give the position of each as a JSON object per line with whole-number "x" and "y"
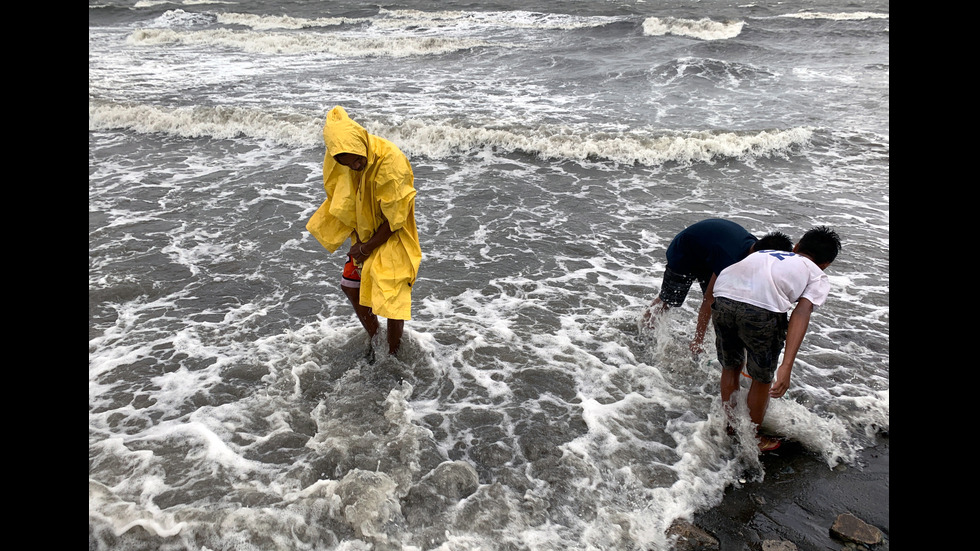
{"x": 767, "y": 444}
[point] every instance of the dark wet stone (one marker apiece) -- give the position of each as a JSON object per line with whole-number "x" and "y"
{"x": 692, "y": 538}
{"x": 848, "y": 527}
{"x": 773, "y": 545}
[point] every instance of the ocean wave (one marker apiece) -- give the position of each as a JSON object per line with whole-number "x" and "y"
{"x": 155, "y": 3}
{"x": 717, "y": 71}
{"x": 301, "y": 43}
{"x": 839, "y": 16}
{"x": 703, "y": 29}
{"x": 583, "y": 143}
{"x": 181, "y": 18}
{"x": 178, "y": 18}
{"x": 442, "y": 140}
{"x": 268, "y": 22}
{"x": 517, "y": 19}
{"x": 222, "y": 122}
{"x": 415, "y": 20}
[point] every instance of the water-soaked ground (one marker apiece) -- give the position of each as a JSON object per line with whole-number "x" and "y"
{"x": 799, "y": 499}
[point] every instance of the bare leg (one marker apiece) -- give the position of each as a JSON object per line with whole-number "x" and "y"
{"x": 758, "y": 401}
{"x": 656, "y": 308}
{"x": 367, "y": 318}
{"x": 729, "y": 384}
{"x": 370, "y": 321}
{"x": 395, "y": 329}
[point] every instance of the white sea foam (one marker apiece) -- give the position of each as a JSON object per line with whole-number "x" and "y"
{"x": 703, "y": 29}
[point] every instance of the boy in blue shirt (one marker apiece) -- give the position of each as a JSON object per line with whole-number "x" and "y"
{"x": 700, "y": 252}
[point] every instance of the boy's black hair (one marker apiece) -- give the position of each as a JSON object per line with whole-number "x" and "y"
{"x": 821, "y": 243}
{"x": 774, "y": 241}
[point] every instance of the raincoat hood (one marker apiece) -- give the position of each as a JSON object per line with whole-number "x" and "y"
{"x": 342, "y": 135}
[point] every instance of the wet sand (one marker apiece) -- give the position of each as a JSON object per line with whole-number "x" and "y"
{"x": 799, "y": 499}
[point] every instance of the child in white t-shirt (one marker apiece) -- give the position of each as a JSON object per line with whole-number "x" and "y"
{"x": 752, "y": 298}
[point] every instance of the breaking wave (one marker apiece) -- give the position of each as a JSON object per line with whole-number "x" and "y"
{"x": 703, "y": 29}
{"x": 441, "y": 139}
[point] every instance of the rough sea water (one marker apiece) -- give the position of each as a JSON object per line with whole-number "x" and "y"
{"x": 558, "y": 146}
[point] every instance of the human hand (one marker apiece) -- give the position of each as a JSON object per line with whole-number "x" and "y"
{"x": 358, "y": 253}
{"x": 781, "y": 384}
{"x": 696, "y": 347}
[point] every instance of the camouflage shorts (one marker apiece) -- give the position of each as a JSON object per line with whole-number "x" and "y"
{"x": 747, "y": 333}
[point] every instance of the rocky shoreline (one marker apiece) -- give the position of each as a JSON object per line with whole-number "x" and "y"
{"x": 801, "y": 505}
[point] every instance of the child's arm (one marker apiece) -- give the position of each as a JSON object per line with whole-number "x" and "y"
{"x": 704, "y": 317}
{"x": 799, "y": 320}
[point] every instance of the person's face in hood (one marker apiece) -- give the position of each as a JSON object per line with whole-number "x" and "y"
{"x": 351, "y": 161}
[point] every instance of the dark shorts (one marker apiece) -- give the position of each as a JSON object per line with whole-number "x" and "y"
{"x": 675, "y": 287}
{"x": 352, "y": 274}
{"x": 744, "y": 332}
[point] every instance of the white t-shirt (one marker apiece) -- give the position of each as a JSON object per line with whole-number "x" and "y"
{"x": 774, "y": 280}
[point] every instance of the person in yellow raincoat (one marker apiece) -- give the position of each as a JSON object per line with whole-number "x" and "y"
{"x": 371, "y": 202}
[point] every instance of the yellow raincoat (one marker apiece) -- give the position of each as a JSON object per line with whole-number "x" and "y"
{"x": 359, "y": 202}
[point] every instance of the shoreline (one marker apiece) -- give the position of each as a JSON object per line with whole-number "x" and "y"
{"x": 799, "y": 500}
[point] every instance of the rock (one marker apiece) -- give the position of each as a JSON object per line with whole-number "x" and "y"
{"x": 773, "y": 545}
{"x": 849, "y": 528}
{"x": 692, "y": 538}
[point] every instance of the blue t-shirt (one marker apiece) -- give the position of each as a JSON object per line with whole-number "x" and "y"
{"x": 708, "y": 247}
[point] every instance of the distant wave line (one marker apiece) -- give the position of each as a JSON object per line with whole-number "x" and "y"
{"x": 441, "y": 140}
{"x": 153, "y": 3}
{"x": 516, "y": 19}
{"x": 272, "y": 43}
{"x": 404, "y": 19}
{"x": 839, "y": 16}
{"x": 268, "y": 22}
